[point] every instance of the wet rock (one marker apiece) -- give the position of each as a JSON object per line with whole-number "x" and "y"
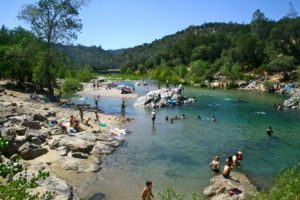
{"x": 80, "y": 155}
{"x": 32, "y": 124}
{"x": 219, "y": 187}
{"x": 36, "y": 140}
{"x": 18, "y": 118}
{"x": 20, "y": 130}
{"x": 30, "y": 151}
{"x": 39, "y": 117}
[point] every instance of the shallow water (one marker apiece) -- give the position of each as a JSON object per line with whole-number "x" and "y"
{"x": 178, "y": 154}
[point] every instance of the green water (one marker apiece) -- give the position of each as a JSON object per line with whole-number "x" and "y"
{"x": 179, "y": 153}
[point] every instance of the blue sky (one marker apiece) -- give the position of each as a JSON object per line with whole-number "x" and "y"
{"x": 117, "y": 24}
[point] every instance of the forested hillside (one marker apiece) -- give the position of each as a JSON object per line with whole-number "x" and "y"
{"x": 197, "y": 53}
{"x": 93, "y": 56}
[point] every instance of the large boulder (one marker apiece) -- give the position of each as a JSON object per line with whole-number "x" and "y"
{"x": 30, "y": 151}
{"x": 39, "y": 117}
{"x": 102, "y": 149}
{"x": 32, "y": 124}
{"x": 41, "y": 134}
{"x": 62, "y": 190}
{"x": 294, "y": 101}
{"x": 219, "y": 188}
{"x": 73, "y": 143}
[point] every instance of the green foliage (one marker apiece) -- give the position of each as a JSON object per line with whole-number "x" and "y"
{"x": 70, "y": 85}
{"x": 170, "y": 194}
{"x": 282, "y": 63}
{"x": 286, "y": 186}
{"x": 17, "y": 186}
{"x": 85, "y": 75}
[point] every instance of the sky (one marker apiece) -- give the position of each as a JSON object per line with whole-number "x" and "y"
{"x": 115, "y": 24}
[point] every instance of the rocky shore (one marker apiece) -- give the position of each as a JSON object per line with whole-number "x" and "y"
{"x": 41, "y": 145}
{"x": 238, "y": 187}
{"x": 294, "y": 101}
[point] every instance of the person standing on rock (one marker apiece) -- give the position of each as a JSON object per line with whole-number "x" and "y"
{"x": 147, "y": 192}
{"x": 227, "y": 168}
{"x": 81, "y": 114}
{"x": 153, "y": 116}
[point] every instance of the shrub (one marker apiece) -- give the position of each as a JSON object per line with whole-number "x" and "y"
{"x": 70, "y": 85}
{"x": 170, "y": 194}
{"x": 283, "y": 63}
{"x": 286, "y": 186}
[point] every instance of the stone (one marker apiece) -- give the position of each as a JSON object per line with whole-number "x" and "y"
{"x": 36, "y": 140}
{"x": 102, "y": 149}
{"x": 93, "y": 168}
{"x": 30, "y": 151}
{"x": 63, "y": 151}
{"x": 40, "y": 134}
{"x": 80, "y": 155}
{"x": 70, "y": 164}
{"x": 62, "y": 190}
{"x": 21, "y": 130}
{"x": 18, "y": 118}
{"x": 75, "y": 144}
{"x": 219, "y": 187}
{"x": 32, "y": 124}
{"x": 39, "y": 117}
{"x": 51, "y": 114}
{"x": 3, "y": 120}
{"x": 14, "y": 104}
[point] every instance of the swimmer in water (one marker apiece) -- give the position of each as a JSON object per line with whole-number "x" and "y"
{"x": 213, "y": 119}
{"x": 269, "y": 131}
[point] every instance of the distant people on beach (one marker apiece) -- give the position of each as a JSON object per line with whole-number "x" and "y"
{"x": 81, "y": 114}
{"x": 215, "y": 164}
{"x": 97, "y": 120}
{"x": 269, "y": 131}
{"x": 123, "y": 106}
{"x": 227, "y": 167}
{"x": 237, "y": 159}
{"x": 94, "y": 85}
{"x": 72, "y": 120}
{"x": 153, "y": 116}
{"x": 147, "y": 192}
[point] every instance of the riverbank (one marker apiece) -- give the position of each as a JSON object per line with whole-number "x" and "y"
{"x": 105, "y": 91}
{"x": 32, "y": 132}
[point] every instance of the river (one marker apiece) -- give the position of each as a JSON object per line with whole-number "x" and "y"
{"x": 178, "y": 154}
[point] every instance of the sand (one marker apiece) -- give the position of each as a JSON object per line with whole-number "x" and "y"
{"x": 88, "y": 90}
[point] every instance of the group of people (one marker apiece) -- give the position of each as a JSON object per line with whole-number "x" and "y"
{"x": 230, "y": 163}
{"x": 96, "y": 84}
{"x": 174, "y": 118}
{"x": 75, "y": 123}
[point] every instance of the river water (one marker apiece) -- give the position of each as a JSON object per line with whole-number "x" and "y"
{"x": 178, "y": 154}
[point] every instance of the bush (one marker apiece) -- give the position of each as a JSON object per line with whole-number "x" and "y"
{"x": 70, "y": 85}
{"x": 170, "y": 194}
{"x": 85, "y": 75}
{"x": 283, "y": 63}
{"x": 286, "y": 186}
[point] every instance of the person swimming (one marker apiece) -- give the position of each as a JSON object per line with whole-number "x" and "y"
{"x": 213, "y": 119}
{"x": 215, "y": 164}
{"x": 167, "y": 118}
{"x": 183, "y": 117}
{"x": 269, "y": 131}
{"x": 237, "y": 158}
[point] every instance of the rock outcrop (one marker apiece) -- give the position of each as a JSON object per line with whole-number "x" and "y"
{"x": 162, "y": 97}
{"x": 235, "y": 188}
{"x": 294, "y": 101}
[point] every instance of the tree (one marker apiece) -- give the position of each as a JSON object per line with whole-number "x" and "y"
{"x": 259, "y": 24}
{"x": 292, "y": 14}
{"x": 52, "y": 21}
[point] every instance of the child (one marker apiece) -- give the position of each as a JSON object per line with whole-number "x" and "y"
{"x": 215, "y": 164}
{"x": 147, "y": 192}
